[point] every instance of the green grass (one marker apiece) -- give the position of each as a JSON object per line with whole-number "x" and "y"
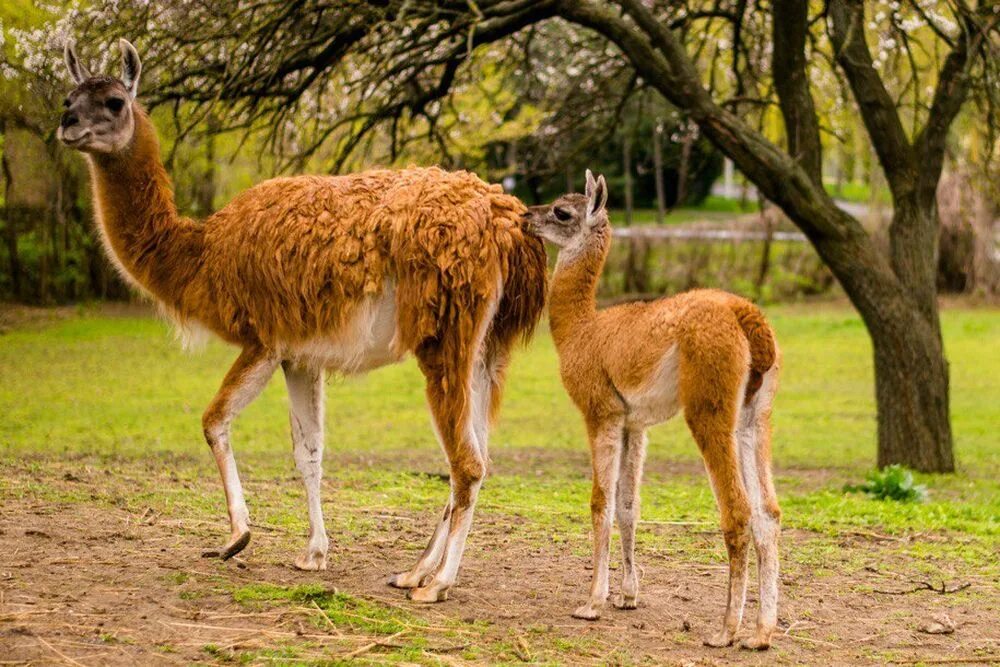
{"x": 119, "y": 388}
{"x": 714, "y": 209}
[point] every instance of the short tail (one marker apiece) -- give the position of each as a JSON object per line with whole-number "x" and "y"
{"x": 759, "y": 334}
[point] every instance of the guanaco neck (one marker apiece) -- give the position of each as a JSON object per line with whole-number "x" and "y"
{"x": 573, "y": 296}
{"x": 134, "y": 200}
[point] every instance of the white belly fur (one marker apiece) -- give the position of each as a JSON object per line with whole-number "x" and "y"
{"x": 658, "y": 400}
{"x": 367, "y": 340}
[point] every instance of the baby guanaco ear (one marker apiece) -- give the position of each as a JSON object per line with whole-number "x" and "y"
{"x": 131, "y": 67}
{"x": 597, "y": 194}
{"x": 589, "y": 188}
{"x": 76, "y": 68}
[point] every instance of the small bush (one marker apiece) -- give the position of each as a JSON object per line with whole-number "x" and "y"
{"x": 890, "y": 483}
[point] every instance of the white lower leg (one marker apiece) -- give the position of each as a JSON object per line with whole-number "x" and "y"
{"x": 766, "y": 531}
{"x": 314, "y": 556}
{"x": 436, "y": 589}
{"x": 305, "y": 395}
{"x": 239, "y": 515}
{"x": 607, "y": 453}
{"x": 627, "y": 496}
{"x": 431, "y": 557}
{"x": 765, "y": 526}
{"x": 244, "y": 381}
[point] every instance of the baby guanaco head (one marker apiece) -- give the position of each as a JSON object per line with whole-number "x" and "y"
{"x": 99, "y": 116}
{"x": 573, "y": 218}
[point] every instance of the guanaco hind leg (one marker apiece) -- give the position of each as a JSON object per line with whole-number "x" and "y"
{"x": 305, "y": 395}
{"x": 753, "y": 438}
{"x": 484, "y": 380}
{"x": 459, "y": 399}
{"x": 244, "y": 381}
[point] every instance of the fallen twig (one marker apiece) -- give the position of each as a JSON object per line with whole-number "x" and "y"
{"x": 367, "y": 647}
{"x": 926, "y": 586}
{"x": 59, "y": 653}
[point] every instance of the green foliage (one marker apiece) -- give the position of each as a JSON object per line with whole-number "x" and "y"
{"x": 893, "y": 482}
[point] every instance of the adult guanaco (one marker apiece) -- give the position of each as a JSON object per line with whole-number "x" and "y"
{"x": 628, "y": 367}
{"x": 310, "y": 273}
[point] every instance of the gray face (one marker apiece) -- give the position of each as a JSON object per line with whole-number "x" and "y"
{"x": 99, "y": 117}
{"x": 560, "y": 222}
{"x": 569, "y": 220}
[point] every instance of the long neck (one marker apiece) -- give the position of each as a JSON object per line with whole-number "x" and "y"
{"x": 138, "y": 219}
{"x": 573, "y": 297}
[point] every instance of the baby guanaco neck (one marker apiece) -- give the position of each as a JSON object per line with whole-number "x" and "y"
{"x": 573, "y": 296}
{"x": 134, "y": 200}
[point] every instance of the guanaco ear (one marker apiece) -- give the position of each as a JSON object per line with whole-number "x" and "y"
{"x": 76, "y": 68}
{"x": 589, "y": 188}
{"x": 131, "y": 67}
{"x": 597, "y": 194}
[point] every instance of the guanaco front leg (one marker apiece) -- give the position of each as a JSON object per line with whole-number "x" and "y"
{"x": 305, "y": 396}
{"x": 627, "y": 495}
{"x": 606, "y": 444}
{"x": 244, "y": 381}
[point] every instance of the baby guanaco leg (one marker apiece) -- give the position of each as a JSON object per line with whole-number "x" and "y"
{"x": 606, "y": 444}
{"x": 714, "y": 434}
{"x": 244, "y": 381}
{"x": 633, "y": 456}
{"x": 754, "y": 439}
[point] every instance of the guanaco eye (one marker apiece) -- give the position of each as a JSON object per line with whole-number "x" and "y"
{"x": 115, "y": 104}
{"x": 562, "y": 214}
{"x": 66, "y": 103}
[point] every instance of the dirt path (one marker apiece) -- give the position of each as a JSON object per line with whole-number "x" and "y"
{"x": 87, "y": 584}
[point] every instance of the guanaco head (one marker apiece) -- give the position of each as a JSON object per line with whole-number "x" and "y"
{"x": 99, "y": 117}
{"x": 573, "y": 218}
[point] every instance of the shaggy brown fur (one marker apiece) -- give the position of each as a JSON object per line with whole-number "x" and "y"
{"x": 629, "y": 367}
{"x": 338, "y": 272}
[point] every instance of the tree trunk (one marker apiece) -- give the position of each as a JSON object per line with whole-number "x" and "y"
{"x": 765, "y": 253}
{"x": 911, "y": 389}
{"x": 911, "y": 372}
{"x": 661, "y": 197}
{"x": 10, "y": 230}
{"x": 684, "y": 169}
{"x": 627, "y": 169}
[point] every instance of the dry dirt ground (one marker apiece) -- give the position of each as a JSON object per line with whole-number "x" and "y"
{"x": 85, "y": 582}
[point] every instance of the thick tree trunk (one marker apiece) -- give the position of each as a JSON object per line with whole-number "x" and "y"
{"x": 911, "y": 388}
{"x": 911, "y": 372}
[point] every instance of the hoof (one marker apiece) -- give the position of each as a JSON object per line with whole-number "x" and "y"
{"x": 235, "y": 546}
{"x": 587, "y": 612}
{"x": 627, "y": 602}
{"x": 756, "y": 643}
{"x": 719, "y": 640}
{"x": 427, "y": 594}
{"x": 402, "y": 580}
{"x": 311, "y": 561}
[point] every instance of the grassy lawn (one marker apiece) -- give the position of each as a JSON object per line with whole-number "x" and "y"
{"x": 713, "y": 209}
{"x": 101, "y": 420}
